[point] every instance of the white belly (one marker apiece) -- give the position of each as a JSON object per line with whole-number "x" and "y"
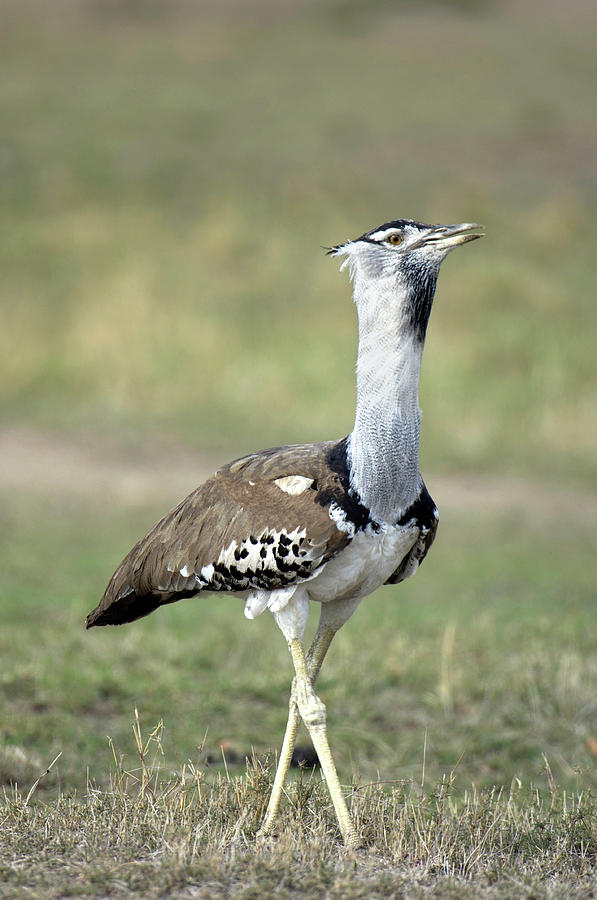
{"x": 365, "y": 564}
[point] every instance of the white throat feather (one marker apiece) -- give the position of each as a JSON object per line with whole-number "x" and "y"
{"x": 384, "y": 444}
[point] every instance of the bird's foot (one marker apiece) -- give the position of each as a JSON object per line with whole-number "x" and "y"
{"x": 265, "y": 833}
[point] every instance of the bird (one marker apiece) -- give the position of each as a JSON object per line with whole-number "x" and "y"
{"x": 325, "y": 522}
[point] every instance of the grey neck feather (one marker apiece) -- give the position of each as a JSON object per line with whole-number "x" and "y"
{"x": 384, "y": 444}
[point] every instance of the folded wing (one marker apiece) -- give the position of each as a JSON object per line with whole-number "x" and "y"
{"x": 263, "y": 522}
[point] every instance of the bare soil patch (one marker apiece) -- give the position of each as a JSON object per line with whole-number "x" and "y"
{"x": 107, "y": 472}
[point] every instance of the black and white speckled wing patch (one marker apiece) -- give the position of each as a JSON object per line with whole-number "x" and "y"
{"x": 252, "y": 526}
{"x": 271, "y": 559}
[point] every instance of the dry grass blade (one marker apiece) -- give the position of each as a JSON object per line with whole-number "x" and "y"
{"x": 188, "y": 830}
{"x": 163, "y": 828}
{"x": 35, "y": 784}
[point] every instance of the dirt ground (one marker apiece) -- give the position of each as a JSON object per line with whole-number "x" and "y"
{"x": 134, "y": 475}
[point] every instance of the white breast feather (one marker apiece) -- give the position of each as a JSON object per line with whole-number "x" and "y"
{"x": 339, "y": 518}
{"x": 364, "y": 565}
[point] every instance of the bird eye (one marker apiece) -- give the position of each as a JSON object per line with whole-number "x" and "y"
{"x": 395, "y": 239}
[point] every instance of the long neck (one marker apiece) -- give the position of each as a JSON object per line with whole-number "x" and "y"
{"x": 384, "y": 444}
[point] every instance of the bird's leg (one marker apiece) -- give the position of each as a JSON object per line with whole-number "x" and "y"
{"x": 318, "y": 649}
{"x": 331, "y": 619}
{"x": 283, "y": 766}
{"x": 315, "y": 657}
{"x": 313, "y": 714}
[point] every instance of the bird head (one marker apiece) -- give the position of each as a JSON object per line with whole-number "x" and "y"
{"x": 404, "y": 245}
{"x": 401, "y": 260}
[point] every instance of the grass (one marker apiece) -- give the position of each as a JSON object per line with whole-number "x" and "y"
{"x": 157, "y": 836}
{"x": 461, "y": 707}
{"x": 170, "y": 181}
{"x": 490, "y": 654}
{"x": 169, "y": 175}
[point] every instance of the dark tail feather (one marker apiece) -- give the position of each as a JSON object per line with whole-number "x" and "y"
{"x": 131, "y": 607}
{"x": 125, "y": 609}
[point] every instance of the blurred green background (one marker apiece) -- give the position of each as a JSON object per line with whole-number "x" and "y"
{"x": 169, "y": 174}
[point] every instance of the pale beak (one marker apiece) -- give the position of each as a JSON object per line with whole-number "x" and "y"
{"x": 446, "y": 237}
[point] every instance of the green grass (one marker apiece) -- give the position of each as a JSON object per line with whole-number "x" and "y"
{"x": 170, "y": 180}
{"x": 489, "y": 652}
{"x": 461, "y": 706}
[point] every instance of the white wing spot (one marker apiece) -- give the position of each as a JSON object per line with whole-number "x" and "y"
{"x": 185, "y": 571}
{"x": 294, "y": 484}
{"x": 207, "y": 572}
{"x": 226, "y": 556}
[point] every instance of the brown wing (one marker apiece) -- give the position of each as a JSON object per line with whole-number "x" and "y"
{"x": 250, "y": 526}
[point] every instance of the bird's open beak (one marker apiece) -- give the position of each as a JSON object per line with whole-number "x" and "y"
{"x": 446, "y": 237}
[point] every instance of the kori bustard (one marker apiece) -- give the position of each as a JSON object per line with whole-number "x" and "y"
{"x": 328, "y": 522}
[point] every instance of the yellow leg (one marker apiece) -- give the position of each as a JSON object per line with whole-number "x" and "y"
{"x": 317, "y": 651}
{"x": 282, "y": 770}
{"x": 315, "y": 657}
{"x": 313, "y": 714}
